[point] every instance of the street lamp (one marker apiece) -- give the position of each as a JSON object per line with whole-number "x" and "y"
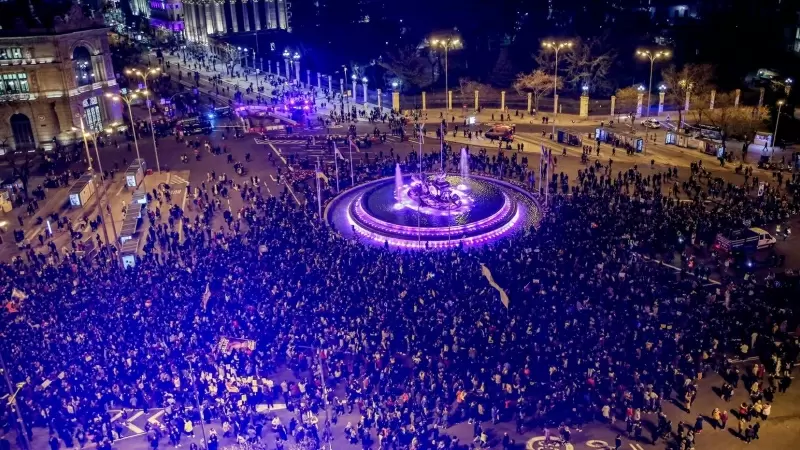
{"x": 788, "y": 87}
{"x": 296, "y": 67}
{"x": 128, "y": 99}
{"x": 775, "y": 134}
{"x": 355, "y": 100}
{"x": 144, "y": 75}
{"x": 449, "y": 43}
{"x": 652, "y": 56}
{"x": 556, "y": 46}
{"x": 104, "y": 193}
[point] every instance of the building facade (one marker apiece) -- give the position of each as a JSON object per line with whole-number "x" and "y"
{"x": 166, "y": 16}
{"x": 217, "y": 17}
{"x": 50, "y": 79}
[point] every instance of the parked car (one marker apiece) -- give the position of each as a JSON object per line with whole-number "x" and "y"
{"x": 651, "y": 123}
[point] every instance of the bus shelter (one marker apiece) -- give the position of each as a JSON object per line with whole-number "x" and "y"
{"x": 82, "y": 191}
{"x": 707, "y": 146}
{"x": 621, "y": 139}
{"x": 569, "y": 137}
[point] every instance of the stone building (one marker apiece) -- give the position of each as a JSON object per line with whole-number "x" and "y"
{"x": 219, "y": 17}
{"x": 51, "y": 77}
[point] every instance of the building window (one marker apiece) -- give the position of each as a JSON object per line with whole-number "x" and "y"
{"x": 91, "y": 114}
{"x": 10, "y": 53}
{"x": 14, "y": 83}
{"x": 82, "y": 65}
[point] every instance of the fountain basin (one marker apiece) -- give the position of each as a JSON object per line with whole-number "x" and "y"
{"x": 483, "y": 210}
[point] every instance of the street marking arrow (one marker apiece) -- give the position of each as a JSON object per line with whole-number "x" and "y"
{"x": 133, "y": 427}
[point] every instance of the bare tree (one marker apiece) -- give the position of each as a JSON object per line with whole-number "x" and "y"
{"x": 588, "y": 64}
{"x": 539, "y": 83}
{"x": 735, "y": 121}
{"x": 627, "y": 99}
{"x": 467, "y": 88}
{"x": 694, "y": 79}
{"x": 411, "y": 67}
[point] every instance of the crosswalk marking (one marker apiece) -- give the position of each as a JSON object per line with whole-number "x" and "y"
{"x": 175, "y": 179}
{"x": 154, "y": 418}
{"x": 133, "y": 427}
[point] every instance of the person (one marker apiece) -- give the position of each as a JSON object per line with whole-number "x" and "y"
{"x": 723, "y": 418}
{"x": 618, "y": 442}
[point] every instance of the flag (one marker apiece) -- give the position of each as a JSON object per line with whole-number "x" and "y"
{"x": 321, "y": 175}
{"x": 206, "y": 295}
{"x": 336, "y": 152}
{"x": 18, "y": 294}
{"x": 488, "y": 274}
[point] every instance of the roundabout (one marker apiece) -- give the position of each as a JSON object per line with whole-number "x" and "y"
{"x": 433, "y": 211}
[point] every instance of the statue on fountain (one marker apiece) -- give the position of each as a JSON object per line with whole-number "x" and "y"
{"x": 433, "y": 192}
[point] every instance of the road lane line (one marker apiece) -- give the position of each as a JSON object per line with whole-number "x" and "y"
{"x": 286, "y": 183}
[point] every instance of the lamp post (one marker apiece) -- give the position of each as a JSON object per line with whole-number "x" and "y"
{"x": 355, "y": 99}
{"x": 127, "y": 99}
{"x": 286, "y": 55}
{"x": 449, "y": 43}
{"x": 144, "y": 75}
{"x": 556, "y": 46}
{"x": 345, "y": 77}
{"x": 364, "y": 80}
{"x": 296, "y": 67}
{"x": 652, "y": 56}
{"x": 788, "y": 86}
{"x": 775, "y": 134}
{"x": 104, "y": 192}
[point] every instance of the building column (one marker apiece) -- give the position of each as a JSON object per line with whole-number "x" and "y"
{"x": 736, "y": 98}
{"x": 257, "y": 15}
{"x": 208, "y": 20}
{"x": 286, "y": 66}
{"x": 503, "y": 101}
{"x": 269, "y": 66}
{"x": 639, "y": 101}
{"x": 613, "y": 104}
{"x": 308, "y": 78}
{"x": 330, "y": 84}
{"x": 297, "y": 72}
{"x": 187, "y": 20}
{"x": 530, "y": 102}
{"x": 319, "y": 80}
{"x": 396, "y": 101}
{"x": 477, "y": 100}
{"x": 424, "y": 103}
{"x": 221, "y": 28}
{"x": 379, "y": 99}
{"x": 449, "y": 100}
{"x": 584, "y": 106}
{"x": 246, "y": 15}
{"x": 341, "y": 86}
{"x": 660, "y": 102}
{"x": 234, "y": 21}
{"x": 713, "y": 97}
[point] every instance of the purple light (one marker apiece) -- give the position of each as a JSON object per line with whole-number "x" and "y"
{"x": 350, "y": 216}
{"x": 367, "y": 220}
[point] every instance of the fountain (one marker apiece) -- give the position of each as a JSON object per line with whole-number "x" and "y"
{"x": 398, "y": 181}
{"x": 463, "y": 165}
{"x": 432, "y": 211}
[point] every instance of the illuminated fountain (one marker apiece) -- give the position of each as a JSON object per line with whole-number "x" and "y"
{"x": 433, "y": 210}
{"x": 463, "y": 166}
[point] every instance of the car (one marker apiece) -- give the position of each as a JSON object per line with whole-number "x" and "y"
{"x": 501, "y": 132}
{"x": 651, "y": 123}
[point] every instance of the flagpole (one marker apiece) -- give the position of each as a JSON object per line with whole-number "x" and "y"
{"x": 336, "y": 165}
{"x": 441, "y": 146}
{"x": 350, "y": 148}
{"x": 419, "y": 160}
{"x": 319, "y": 192}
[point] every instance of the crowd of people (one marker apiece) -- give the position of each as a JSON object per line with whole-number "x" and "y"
{"x": 412, "y": 343}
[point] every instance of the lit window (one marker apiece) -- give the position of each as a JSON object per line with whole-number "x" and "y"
{"x": 14, "y": 83}
{"x": 10, "y": 53}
